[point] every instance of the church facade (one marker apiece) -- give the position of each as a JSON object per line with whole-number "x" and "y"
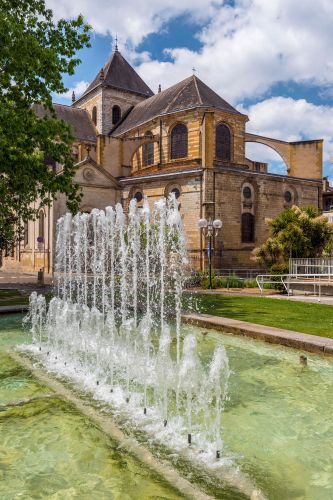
{"x": 130, "y": 143}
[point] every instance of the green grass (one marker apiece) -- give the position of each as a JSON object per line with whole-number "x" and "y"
{"x": 12, "y": 298}
{"x": 4, "y": 294}
{"x": 316, "y": 319}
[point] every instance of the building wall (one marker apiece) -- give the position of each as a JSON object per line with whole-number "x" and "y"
{"x": 267, "y": 201}
{"x": 201, "y": 140}
{"x": 190, "y": 187}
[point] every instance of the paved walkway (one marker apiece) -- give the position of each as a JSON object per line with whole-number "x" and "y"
{"x": 24, "y": 282}
{"x": 303, "y": 341}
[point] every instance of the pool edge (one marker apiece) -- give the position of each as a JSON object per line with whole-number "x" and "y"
{"x": 269, "y": 334}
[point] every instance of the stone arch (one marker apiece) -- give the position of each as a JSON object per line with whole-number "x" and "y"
{"x": 303, "y": 158}
{"x": 132, "y": 147}
{"x": 282, "y": 148}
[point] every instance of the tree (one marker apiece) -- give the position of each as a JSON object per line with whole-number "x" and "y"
{"x": 35, "y": 51}
{"x": 296, "y": 232}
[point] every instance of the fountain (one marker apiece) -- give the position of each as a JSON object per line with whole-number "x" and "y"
{"x": 115, "y": 322}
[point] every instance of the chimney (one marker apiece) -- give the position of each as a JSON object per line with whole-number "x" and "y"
{"x": 73, "y": 97}
{"x": 159, "y": 88}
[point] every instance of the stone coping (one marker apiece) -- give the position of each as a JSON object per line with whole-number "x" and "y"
{"x": 289, "y": 338}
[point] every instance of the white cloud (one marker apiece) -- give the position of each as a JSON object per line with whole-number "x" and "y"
{"x": 78, "y": 89}
{"x": 132, "y": 20}
{"x": 249, "y": 47}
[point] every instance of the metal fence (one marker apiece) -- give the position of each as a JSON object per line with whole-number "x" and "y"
{"x": 316, "y": 266}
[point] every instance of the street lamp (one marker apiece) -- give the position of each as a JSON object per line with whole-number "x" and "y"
{"x": 210, "y": 228}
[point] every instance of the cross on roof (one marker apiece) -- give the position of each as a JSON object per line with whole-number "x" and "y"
{"x": 116, "y": 44}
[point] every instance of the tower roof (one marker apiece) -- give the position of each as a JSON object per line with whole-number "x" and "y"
{"x": 118, "y": 73}
{"x": 187, "y": 94}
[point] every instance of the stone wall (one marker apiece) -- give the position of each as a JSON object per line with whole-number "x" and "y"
{"x": 267, "y": 201}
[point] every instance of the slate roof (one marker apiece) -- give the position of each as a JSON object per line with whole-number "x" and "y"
{"x": 187, "y": 94}
{"x": 79, "y": 120}
{"x": 120, "y": 75}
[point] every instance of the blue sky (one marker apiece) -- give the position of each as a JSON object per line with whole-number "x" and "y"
{"x": 272, "y": 60}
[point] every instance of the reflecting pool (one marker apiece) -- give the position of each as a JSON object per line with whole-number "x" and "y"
{"x": 277, "y": 430}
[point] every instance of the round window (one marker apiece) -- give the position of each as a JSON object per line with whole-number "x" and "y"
{"x": 287, "y": 196}
{"x": 138, "y": 196}
{"x": 176, "y": 192}
{"x": 247, "y": 193}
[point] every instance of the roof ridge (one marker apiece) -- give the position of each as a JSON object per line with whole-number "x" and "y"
{"x": 177, "y": 94}
{"x": 197, "y": 88}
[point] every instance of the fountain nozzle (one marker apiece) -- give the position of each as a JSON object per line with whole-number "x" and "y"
{"x": 218, "y": 455}
{"x": 189, "y": 438}
{"x": 127, "y": 399}
{"x": 145, "y": 411}
{"x": 165, "y": 422}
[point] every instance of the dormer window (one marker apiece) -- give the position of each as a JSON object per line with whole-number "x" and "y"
{"x": 116, "y": 114}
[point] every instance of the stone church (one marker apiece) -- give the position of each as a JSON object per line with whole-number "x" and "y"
{"x": 130, "y": 142}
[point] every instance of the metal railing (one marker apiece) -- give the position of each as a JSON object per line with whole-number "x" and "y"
{"x": 267, "y": 279}
{"x": 287, "y": 280}
{"x": 315, "y": 266}
{"x": 239, "y": 273}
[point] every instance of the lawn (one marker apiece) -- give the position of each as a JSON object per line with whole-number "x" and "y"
{"x": 12, "y": 298}
{"x": 316, "y": 319}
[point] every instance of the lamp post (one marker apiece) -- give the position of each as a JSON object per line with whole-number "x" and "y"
{"x": 210, "y": 228}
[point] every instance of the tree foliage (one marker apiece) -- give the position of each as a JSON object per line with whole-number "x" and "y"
{"x": 35, "y": 51}
{"x": 296, "y": 232}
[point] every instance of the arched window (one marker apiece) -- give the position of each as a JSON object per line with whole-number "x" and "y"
{"x": 222, "y": 142}
{"x": 26, "y": 233}
{"x": 248, "y": 223}
{"x": 41, "y": 224}
{"x": 179, "y": 142}
{"x": 148, "y": 151}
{"x": 288, "y": 197}
{"x": 148, "y": 154}
{"x": 247, "y": 193}
{"x": 116, "y": 114}
{"x": 94, "y": 115}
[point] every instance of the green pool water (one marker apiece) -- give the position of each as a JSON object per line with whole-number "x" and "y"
{"x": 48, "y": 450}
{"x": 279, "y": 418}
{"x": 277, "y": 424}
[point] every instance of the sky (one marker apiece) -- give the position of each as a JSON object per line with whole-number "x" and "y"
{"x": 272, "y": 60}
